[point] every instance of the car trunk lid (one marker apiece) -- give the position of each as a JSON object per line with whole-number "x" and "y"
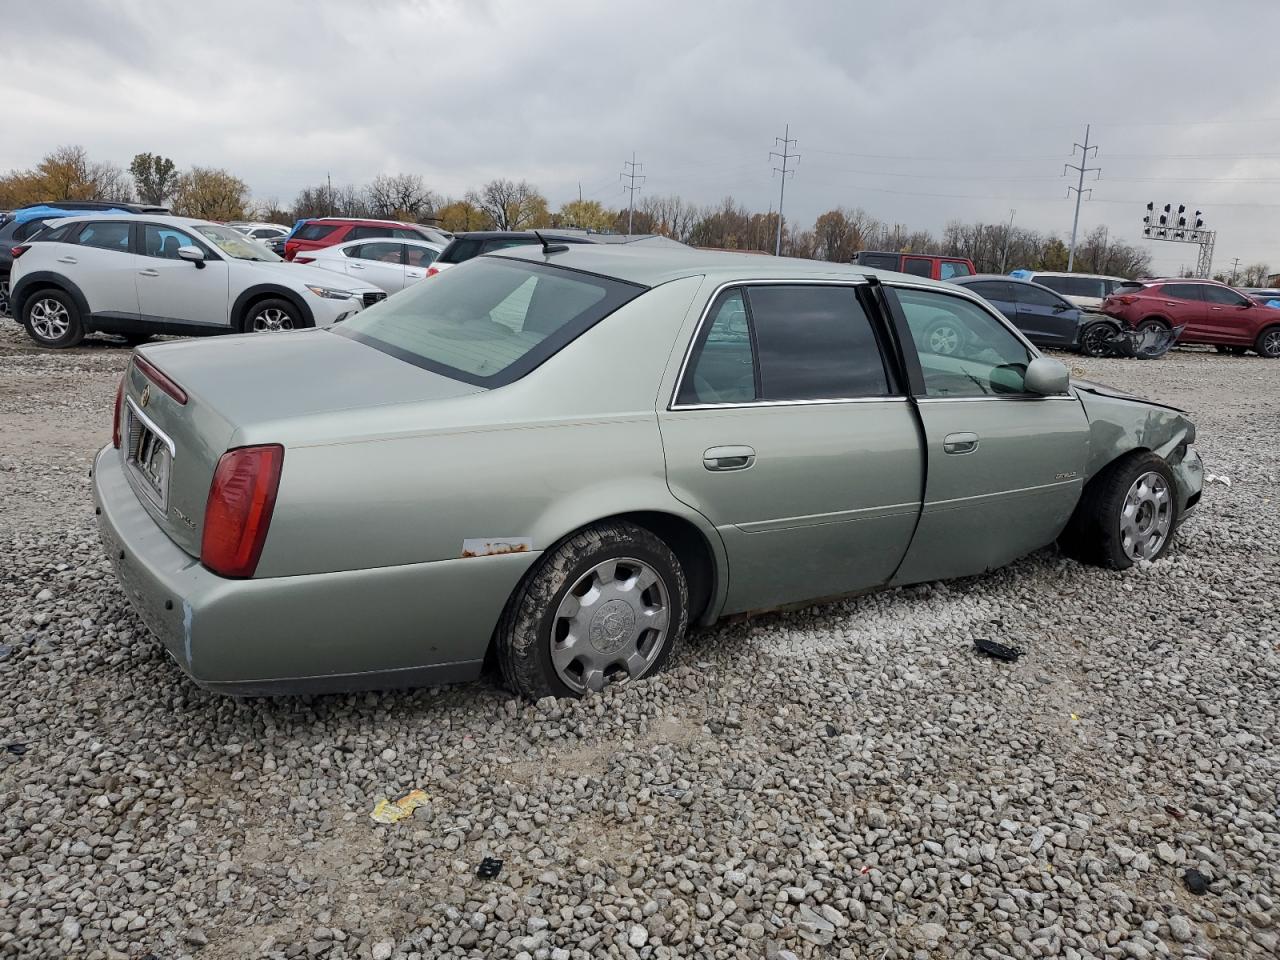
{"x": 172, "y": 439}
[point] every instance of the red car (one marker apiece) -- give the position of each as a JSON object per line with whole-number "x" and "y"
{"x": 327, "y": 231}
{"x": 1209, "y": 312}
{"x": 916, "y": 264}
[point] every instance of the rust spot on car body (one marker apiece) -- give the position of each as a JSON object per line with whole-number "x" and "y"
{"x": 496, "y": 547}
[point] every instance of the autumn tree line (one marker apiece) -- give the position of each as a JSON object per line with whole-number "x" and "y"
{"x": 69, "y": 173}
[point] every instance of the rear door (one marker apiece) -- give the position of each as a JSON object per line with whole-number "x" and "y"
{"x": 174, "y": 291}
{"x": 1046, "y": 318}
{"x": 379, "y": 262}
{"x": 793, "y": 436}
{"x": 1184, "y": 305}
{"x": 998, "y": 293}
{"x": 1229, "y": 317}
{"x": 102, "y": 264}
{"x": 1005, "y": 467}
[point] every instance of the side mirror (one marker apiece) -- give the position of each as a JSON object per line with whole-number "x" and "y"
{"x": 1047, "y": 377}
{"x": 192, "y": 255}
{"x": 1060, "y": 307}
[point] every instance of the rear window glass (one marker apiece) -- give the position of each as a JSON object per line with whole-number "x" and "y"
{"x": 918, "y": 267}
{"x": 315, "y": 231}
{"x": 460, "y": 251}
{"x": 491, "y": 323}
{"x": 953, "y": 268}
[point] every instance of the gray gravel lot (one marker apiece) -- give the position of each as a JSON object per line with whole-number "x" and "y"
{"x": 844, "y": 781}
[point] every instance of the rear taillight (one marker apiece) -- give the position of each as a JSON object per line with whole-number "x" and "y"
{"x": 115, "y": 419}
{"x": 241, "y": 499}
{"x": 298, "y": 259}
{"x": 161, "y": 380}
{"x": 432, "y": 271}
{"x": 19, "y": 250}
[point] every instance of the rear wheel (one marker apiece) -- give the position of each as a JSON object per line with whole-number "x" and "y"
{"x": 52, "y": 319}
{"x": 1153, "y": 327}
{"x": 1127, "y": 514}
{"x": 1095, "y": 339}
{"x": 607, "y": 605}
{"x": 1268, "y": 343}
{"x": 273, "y": 315}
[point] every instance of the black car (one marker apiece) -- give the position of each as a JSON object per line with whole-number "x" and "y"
{"x": 14, "y": 229}
{"x": 1044, "y": 317}
{"x": 465, "y": 246}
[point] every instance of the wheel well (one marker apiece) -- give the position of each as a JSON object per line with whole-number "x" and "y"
{"x": 257, "y": 297}
{"x": 1158, "y": 319}
{"x": 691, "y": 549}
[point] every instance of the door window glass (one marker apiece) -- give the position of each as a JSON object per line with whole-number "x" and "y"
{"x": 384, "y": 251}
{"x": 964, "y": 351}
{"x": 953, "y": 268}
{"x": 1182, "y": 291}
{"x": 918, "y": 267}
{"x": 368, "y": 233}
{"x": 723, "y": 365}
{"x": 814, "y": 343}
{"x": 991, "y": 289}
{"x": 1026, "y": 293}
{"x": 164, "y": 242}
{"x": 880, "y": 261}
{"x": 419, "y": 256}
{"x": 1223, "y": 296}
{"x": 106, "y": 236}
{"x": 403, "y": 234}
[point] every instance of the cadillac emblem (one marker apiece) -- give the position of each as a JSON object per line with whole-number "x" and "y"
{"x": 146, "y": 396}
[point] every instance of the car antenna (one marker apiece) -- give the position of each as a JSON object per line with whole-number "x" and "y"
{"x": 550, "y": 247}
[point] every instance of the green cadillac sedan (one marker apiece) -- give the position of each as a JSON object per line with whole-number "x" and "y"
{"x": 558, "y": 458}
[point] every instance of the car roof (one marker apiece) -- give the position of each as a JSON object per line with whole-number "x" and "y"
{"x": 654, "y": 264}
{"x": 141, "y": 217}
{"x": 1072, "y": 273}
{"x": 388, "y": 223}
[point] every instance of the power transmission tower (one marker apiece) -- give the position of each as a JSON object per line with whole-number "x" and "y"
{"x": 786, "y": 156}
{"x": 1079, "y": 189}
{"x": 632, "y": 175}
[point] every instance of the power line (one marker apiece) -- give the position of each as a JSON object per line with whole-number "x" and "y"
{"x": 632, "y": 175}
{"x": 1082, "y": 168}
{"x": 785, "y": 156}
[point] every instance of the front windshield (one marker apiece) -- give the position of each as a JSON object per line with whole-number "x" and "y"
{"x": 235, "y": 244}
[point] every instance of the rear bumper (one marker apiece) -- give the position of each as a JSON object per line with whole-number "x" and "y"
{"x": 411, "y": 625}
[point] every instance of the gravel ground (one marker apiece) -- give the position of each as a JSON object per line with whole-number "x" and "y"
{"x": 845, "y": 781}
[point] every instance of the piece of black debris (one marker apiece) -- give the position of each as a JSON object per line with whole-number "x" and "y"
{"x": 998, "y": 650}
{"x": 489, "y": 868}
{"x": 17, "y": 749}
{"x": 1196, "y": 881}
{"x": 831, "y": 730}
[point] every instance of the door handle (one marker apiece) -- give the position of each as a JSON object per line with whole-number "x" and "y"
{"x": 148, "y": 273}
{"x": 68, "y": 260}
{"x": 356, "y": 266}
{"x": 1215, "y": 308}
{"x": 416, "y": 276}
{"x": 723, "y": 459}
{"x": 960, "y": 443}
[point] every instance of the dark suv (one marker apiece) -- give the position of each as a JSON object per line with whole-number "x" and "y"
{"x": 466, "y": 246}
{"x": 23, "y": 223}
{"x": 1208, "y": 312}
{"x": 1044, "y": 317}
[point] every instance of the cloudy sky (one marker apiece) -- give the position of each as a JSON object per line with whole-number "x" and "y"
{"x": 918, "y": 112}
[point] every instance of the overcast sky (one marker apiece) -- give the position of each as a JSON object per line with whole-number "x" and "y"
{"x": 918, "y": 112}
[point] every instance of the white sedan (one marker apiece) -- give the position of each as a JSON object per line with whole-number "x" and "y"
{"x": 389, "y": 264}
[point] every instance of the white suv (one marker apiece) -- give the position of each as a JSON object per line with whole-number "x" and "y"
{"x": 145, "y": 275}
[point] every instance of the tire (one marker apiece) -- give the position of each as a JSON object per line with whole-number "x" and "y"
{"x": 1103, "y": 532}
{"x": 273, "y": 315}
{"x": 1268, "y": 343}
{"x": 942, "y": 338}
{"x": 52, "y": 319}
{"x": 4, "y": 296}
{"x": 542, "y": 613}
{"x": 1151, "y": 323}
{"x": 1095, "y": 339}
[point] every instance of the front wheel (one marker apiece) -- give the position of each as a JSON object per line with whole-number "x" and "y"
{"x": 1127, "y": 513}
{"x": 52, "y": 319}
{"x": 607, "y": 605}
{"x": 1095, "y": 339}
{"x": 271, "y": 316}
{"x": 1268, "y": 343}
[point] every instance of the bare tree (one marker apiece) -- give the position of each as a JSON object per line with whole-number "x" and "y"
{"x": 401, "y": 196}
{"x": 510, "y": 205}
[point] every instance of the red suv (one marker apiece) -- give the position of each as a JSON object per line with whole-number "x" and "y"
{"x": 327, "y": 231}
{"x": 1208, "y": 312}
{"x": 916, "y": 264}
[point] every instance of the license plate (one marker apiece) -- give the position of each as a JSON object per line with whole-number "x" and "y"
{"x": 149, "y": 456}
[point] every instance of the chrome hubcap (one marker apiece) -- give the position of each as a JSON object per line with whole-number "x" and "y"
{"x": 272, "y": 320}
{"x": 1147, "y": 516}
{"x": 943, "y": 340}
{"x": 50, "y": 319}
{"x": 611, "y": 626}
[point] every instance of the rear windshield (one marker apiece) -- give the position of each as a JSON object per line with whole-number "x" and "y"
{"x": 491, "y": 321}
{"x": 315, "y": 231}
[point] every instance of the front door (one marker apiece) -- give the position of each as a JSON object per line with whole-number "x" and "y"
{"x": 1005, "y": 468}
{"x": 1046, "y": 318}
{"x": 791, "y": 434}
{"x": 1229, "y": 317}
{"x": 174, "y": 291}
{"x": 378, "y": 262}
